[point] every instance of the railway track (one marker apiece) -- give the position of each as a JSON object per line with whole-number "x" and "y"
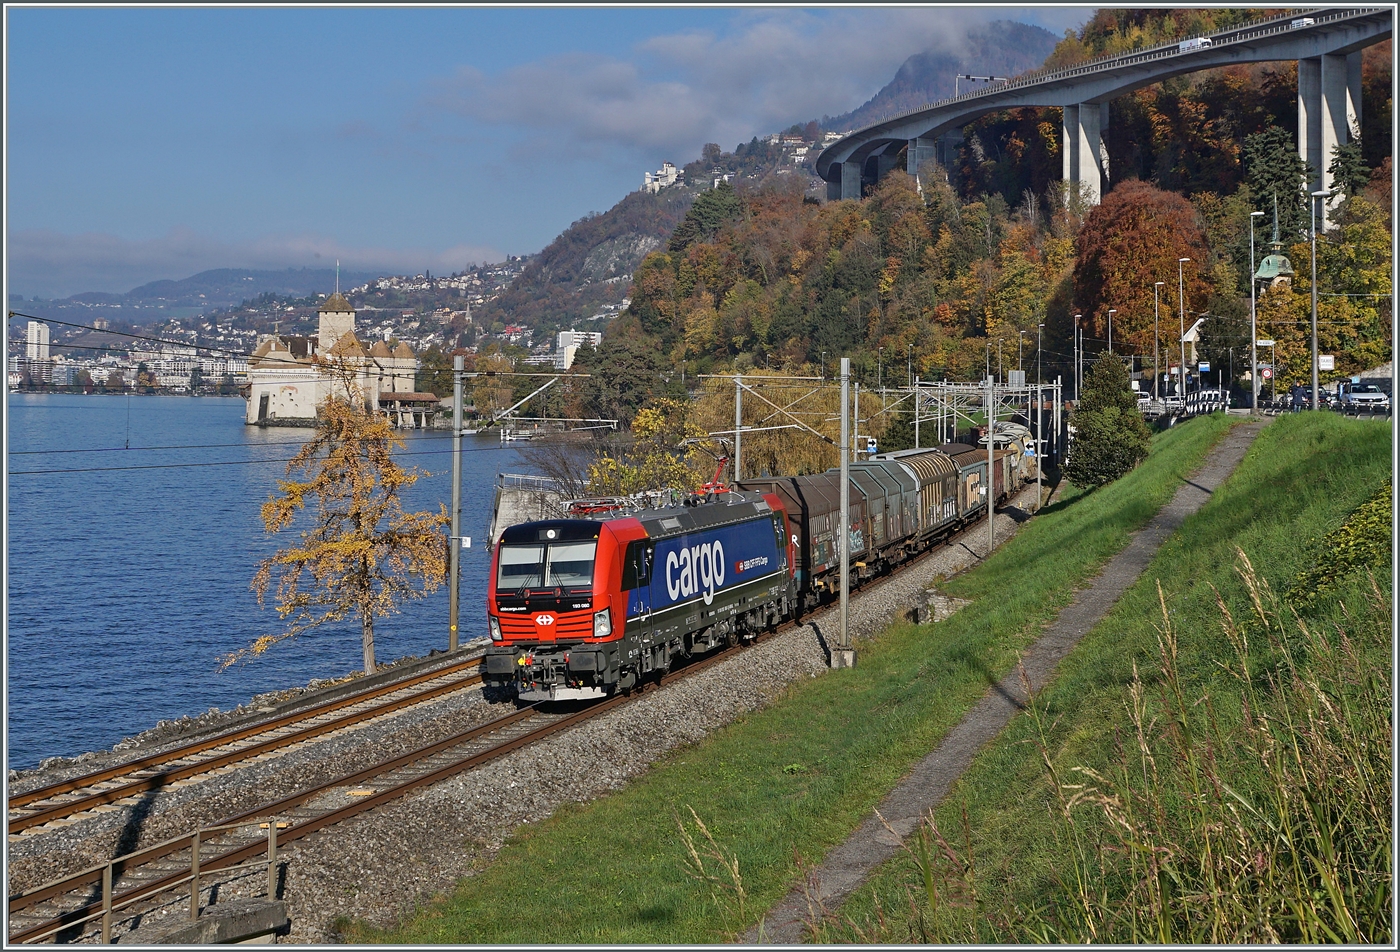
{"x": 34, "y": 809}
{"x": 158, "y": 877}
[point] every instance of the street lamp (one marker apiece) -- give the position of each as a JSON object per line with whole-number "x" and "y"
{"x": 1019, "y": 343}
{"x": 1111, "y": 311}
{"x": 1000, "y": 375}
{"x": 1253, "y": 327}
{"x": 1156, "y": 336}
{"x": 880, "y": 369}
{"x": 909, "y": 363}
{"x": 1313, "y": 208}
{"x": 1181, "y": 300}
{"x": 823, "y": 365}
{"x": 1078, "y": 355}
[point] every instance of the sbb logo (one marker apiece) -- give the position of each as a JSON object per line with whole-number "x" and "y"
{"x": 545, "y": 619}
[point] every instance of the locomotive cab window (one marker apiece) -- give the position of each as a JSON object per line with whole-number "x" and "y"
{"x": 519, "y": 566}
{"x": 557, "y": 565}
{"x": 570, "y": 564}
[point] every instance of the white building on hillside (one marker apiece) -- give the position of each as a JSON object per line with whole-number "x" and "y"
{"x": 286, "y": 385}
{"x": 656, "y": 181}
{"x": 569, "y": 343}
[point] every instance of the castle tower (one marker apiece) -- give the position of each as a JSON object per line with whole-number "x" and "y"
{"x": 337, "y": 318}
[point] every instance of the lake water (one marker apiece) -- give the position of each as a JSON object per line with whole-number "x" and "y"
{"x": 127, "y": 570}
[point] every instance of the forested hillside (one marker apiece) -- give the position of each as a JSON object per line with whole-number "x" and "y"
{"x": 985, "y": 260}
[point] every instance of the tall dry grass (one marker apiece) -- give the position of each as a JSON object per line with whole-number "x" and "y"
{"x": 1274, "y": 829}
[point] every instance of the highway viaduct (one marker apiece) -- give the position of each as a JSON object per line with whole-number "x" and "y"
{"x": 1326, "y": 42}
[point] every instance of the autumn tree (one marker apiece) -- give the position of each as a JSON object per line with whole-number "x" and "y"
{"x": 1127, "y": 243}
{"x": 1110, "y": 437}
{"x": 363, "y": 555}
{"x": 662, "y": 454}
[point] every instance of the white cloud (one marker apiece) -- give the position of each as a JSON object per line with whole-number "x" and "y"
{"x": 679, "y": 91}
{"x": 51, "y": 264}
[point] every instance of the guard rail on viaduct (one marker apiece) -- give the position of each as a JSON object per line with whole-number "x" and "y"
{"x": 1326, "y": 42}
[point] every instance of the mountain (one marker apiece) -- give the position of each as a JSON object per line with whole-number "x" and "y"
{"x": 205, "y": 291}
{"x": 224, "y": 287}
{"x": 1000, "y": 48}
{"x": 590, "y": 264}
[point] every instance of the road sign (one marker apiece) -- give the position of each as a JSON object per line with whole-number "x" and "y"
{"x": 1266, "y": 373}
{"x": 1263, "y": 343}
{"x": 1204, "y": 367}
{"x": 1326, "y": 362}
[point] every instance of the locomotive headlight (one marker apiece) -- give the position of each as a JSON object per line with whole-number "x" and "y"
{"x": 495, "y": 625}
{"x": 602, "y": 624}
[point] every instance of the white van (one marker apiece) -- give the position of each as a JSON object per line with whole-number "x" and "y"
{"x": 1195, "y": 43}
{"x": 1301, "y": 22}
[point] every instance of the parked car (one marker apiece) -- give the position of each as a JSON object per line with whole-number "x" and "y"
{"x": 1366, "y": 395}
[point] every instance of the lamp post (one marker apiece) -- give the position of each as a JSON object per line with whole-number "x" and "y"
{"x": 1313, "y": 208}
{"x": 823, "y": 365}
{"x": 1111, "y": 311}
{"x": 1039, "y": 417}
{"x": 880, "y": 369}
{"x": 1019, "y": 344}
{"x": 1156, "y": 336}
{"x": 1181, "y": 300}
{"x": 1078, "y": 354}
{"x": 1001, "y": 378}
{"x": 989, "y": 359}
{"x": 909, "y": 363}
{"x": 1253, "y": 328}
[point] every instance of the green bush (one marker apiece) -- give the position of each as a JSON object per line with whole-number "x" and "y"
{"x": 1110, "y": 437}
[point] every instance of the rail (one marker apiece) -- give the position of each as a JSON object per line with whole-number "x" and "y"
{"x": 111, "y": 904}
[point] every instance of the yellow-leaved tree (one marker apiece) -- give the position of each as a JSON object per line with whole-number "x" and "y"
{"x": 363, "y": 555}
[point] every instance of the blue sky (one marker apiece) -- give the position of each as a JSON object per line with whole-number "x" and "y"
{"x": 156, "y": 142}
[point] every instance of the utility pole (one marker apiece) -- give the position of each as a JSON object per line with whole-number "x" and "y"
{"x": 855, "y": 439}
{"x": 1156, "y": 336}
{"x": 1039, "y": 418}
{"x": 917, "y": 444}
{"x": 991, "y": 473}
{"x": 454, "y": 558}
{"x": 1181, "y": 300}
{"x": 1020, "y": 342}
{"x": 1313, "y": 203}
{"x": 1253, "y": 323}
{"x": 1078, "y": 355}
{"x": 738, "y": 423}
{"x": 842, "y": 656}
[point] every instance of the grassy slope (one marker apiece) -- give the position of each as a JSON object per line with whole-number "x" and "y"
{"x": 800, "y": 775}
{"x": 1303, "y": 476}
